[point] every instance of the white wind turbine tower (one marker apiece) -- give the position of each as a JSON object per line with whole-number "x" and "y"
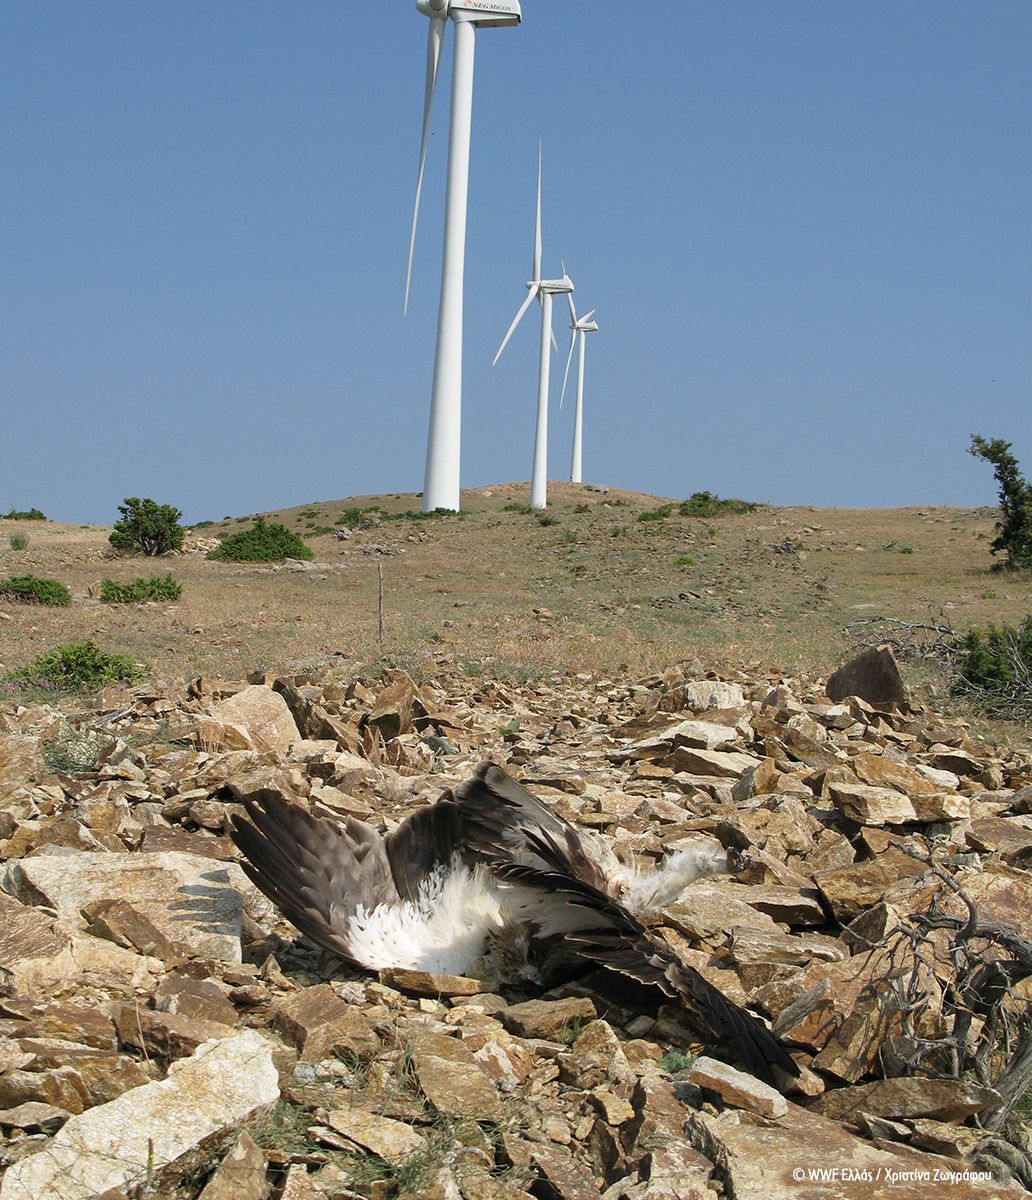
{"x": 441, "y": 482}
{"x": 580, "y": 327}
{"x": 544, "y": 290}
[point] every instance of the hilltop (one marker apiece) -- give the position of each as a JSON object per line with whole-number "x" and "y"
{"x": 606, "y": 580}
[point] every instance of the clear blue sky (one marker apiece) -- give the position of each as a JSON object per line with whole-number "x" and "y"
{"x": 805, "y": 226}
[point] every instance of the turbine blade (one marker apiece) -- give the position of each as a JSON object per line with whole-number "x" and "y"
{"x": 555, "y": 344}
{"x": 569, "y": 359}
{"x": 537, "y": 226}
{"x": 573, "y": 310}
{"x": 587, "y": 316}
{"x": 519, "y": 317}
{"x": 433, "y": 61}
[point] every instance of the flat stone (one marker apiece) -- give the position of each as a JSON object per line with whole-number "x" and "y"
{"x": 194, "y": 902}
{"x": 117, "y": 1145}
{"x": 883, "y": 772}
{"x": 388, "y": 1139}
{"x": 869, "y": 805}
{"x": 260, "y": 714}
{"x": 874, "y": 676}
{"x": 34, "y": 1117}
{"x": 909, "y": 1096}
{"x": 804, "y": 1156}
{"x": 707, "y": 911}
{"x": 564, "y": 1173}
{"x": 240, "y": 1175}
{"x": 703, "y": 694}
{"x": 850, "y": 890}
{"x": 452, "y": 1080}
{"x": 546, "y": 1018}
{"x": 117, "y": 921}
{"x": 200, "y": 998}
{"x": 21, "y": 760}
{"x": 429, "y": 983}
{"x": 318, "y": 1022}
{"x": 166, "y": 1035}
{"x": 596, "y": 1058}
{"x": 786, "y": 905}
{"x": 737, "y": 1088}
{"x": 33, "y": 952}
{"x": 711, "y": 764}
{"x": 1009, "y": 838}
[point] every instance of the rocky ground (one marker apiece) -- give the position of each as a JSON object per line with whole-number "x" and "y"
{"x": 162, "y": 1033}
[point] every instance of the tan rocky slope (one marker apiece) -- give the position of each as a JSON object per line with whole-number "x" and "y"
{"x": 162, "y": 1034}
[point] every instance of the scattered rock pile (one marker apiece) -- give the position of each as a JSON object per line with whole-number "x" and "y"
{"x": 162, "y": 1034}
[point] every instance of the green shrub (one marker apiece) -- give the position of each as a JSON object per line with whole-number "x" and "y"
{"x": 994, "y": 667}
{"x": 656, "y": 514}
{"x": 33, "y": 514}
{"x": 18, "y": 541}
{"x": 261, "y": 543}
{"x": 73, "y": 752}
{"x": 75, "y": 667}
{"x": 319, "y": 531}
{"x": 30, "y": 589}
{"x": 158, "y": 587}
{"x": 147, "y": 527}
{"x": 202, "y": 524}
{"x": 1014, "y": 525}
{"x": 350, "y": 517}
{"x": 582, "y": 508}
{"x": 684, "y": 560}
{"x": 547, "y": 520}
{"x": 516, "y": 507}
{"x": 706, "y": 504}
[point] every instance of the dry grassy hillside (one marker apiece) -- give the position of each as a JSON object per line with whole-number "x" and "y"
{"x": 589, "y": 586}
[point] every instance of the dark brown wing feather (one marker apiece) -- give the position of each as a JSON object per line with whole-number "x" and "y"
{"x": 315, "y": 871}
{"x": 616, "y": 939}
{"x": 502, "y": 821}
{"x": 425, "y": 839}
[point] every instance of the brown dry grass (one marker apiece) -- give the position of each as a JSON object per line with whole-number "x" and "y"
{"x": 596, "y": 591}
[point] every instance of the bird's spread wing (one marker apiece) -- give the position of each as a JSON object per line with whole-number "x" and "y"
{"x": 427, "y": 838}
{"x": 614, "y": 938}
{"x": 502, "y": 821}
{"x": 315, "y": 871}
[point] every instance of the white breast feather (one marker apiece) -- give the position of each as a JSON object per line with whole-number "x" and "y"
{"x": 444, "y": 930}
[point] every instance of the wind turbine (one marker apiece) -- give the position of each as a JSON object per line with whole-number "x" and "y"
{"x": 580, "y": 327}
{"x": 543, "y": 290}
{"x": 441, "y": 482}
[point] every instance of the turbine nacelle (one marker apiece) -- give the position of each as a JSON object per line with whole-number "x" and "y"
{"x": 488, "y": 13}
{"x": 557, "y": 287}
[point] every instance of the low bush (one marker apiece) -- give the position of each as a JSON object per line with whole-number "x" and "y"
{"x": 18, "y": 541}
{"x": 261, "y": 543}
{"x": 656, "y": 514}
{"x": 33, "y": 514}
{"x": 74, "y": 667}
{"x": 516, "y": 507}
{"x": 158, "y": 587}
{"x": 30, "y": 589}
{"x": 994, "y": 668}
{"x": 706, "y": 504}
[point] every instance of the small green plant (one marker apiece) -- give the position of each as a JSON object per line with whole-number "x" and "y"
{"x": 906, "y": 549}
{"x": 146, "y": 527}
{"x": 74, "y": 667}
{"x": 202, "y": 524}
{"x": 18, "y": 541}
{"x": 261, "y": 543}
{"x": 351, "y": 517}
{"x": 319, "y": 531}
{"x": 988, "y": 595}
{"x": 308, "y": 512}
{"x": 684, "y": 560}
{"x": 515, "y": 506}
{"x": 33, "y": 514}
{"x": 706, "y": 504}
{"x": 656, "y": 514}
{"x": 994, "y": 667}
{"x": 674, "y": 1062}
{"x": 72, "y": 751}
{"x": 510, "y": 727}
{"x": 620, "y": 531}
{"x": 547, "y": 520}
{"x": 30, "y": 589}
{"x": 1014, "y": 525}
{"x": 158, "y": 587}
{"x": 571, "y": 1031}
{"x": 570, "y": 537}
{"x": 582, "y": 508}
